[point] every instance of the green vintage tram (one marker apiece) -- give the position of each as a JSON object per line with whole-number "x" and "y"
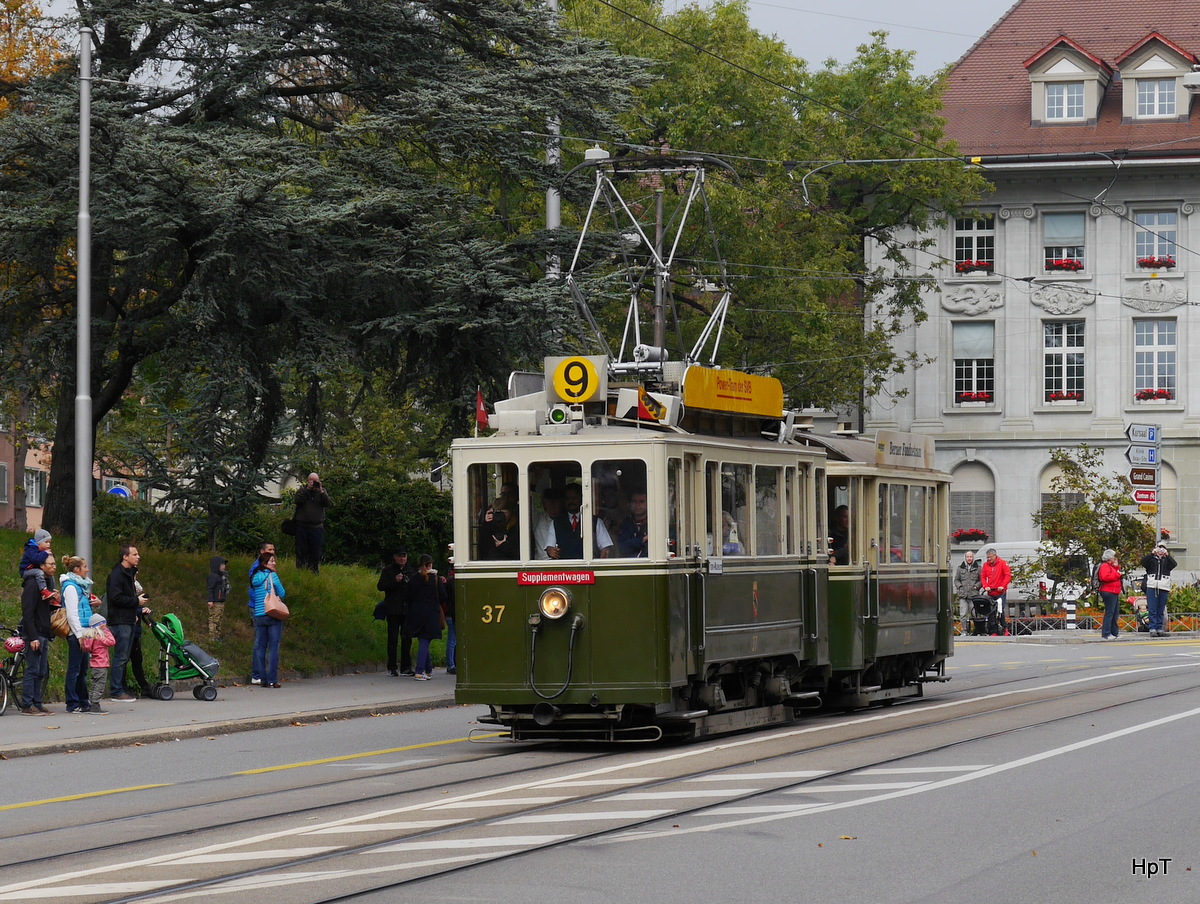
{"x": 632, "y": 564}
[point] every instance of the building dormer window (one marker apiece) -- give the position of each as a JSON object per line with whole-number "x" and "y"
{"x": 1153, "y": 71}
{"x": 1068, "y": 83}
{"x": 1064, "y": 101}
{"x": 1155, "y": 97}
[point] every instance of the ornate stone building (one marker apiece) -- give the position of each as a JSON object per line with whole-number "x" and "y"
{"x": 1065, "y": 308}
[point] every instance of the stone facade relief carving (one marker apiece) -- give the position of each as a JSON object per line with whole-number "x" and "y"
{"x": 1057, "y": 299}
{"x": 1007, "y": 213}
{"x": 1153, "y": 296}
{"x": 972, "y": 300}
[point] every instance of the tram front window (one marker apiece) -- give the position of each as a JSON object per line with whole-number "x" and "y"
{"x": 555, "y": 533}
{"x": 622, "y": 507}
{"x": 495, "y": 511}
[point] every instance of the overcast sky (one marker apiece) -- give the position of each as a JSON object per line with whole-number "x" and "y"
{"x": 940, "y": 31}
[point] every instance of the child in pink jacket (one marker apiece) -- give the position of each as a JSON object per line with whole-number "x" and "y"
{"x": 97, "y": 644}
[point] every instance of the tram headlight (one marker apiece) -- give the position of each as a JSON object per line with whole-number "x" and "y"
{"x": 554, "y": 602}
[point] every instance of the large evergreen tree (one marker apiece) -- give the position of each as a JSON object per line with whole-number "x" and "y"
{"x": 282, "y": 187}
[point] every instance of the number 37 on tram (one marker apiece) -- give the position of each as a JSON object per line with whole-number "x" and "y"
{"x": 632, "y": 564}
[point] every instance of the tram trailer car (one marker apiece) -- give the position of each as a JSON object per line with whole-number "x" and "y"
{"x": 726, "y": 606}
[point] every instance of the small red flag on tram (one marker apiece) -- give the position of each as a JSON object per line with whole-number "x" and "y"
{"x": 481, "y": 415}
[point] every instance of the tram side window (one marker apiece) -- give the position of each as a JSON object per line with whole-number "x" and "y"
{"x": 495, "y": 511}
{"x": 916, "y": 524}
{"x": 897, "y": 518}
{"x": 675, "y": 541}
{"x": 767, "y": 508}
{"x": 822, "y": 525}
{"x": 622, "y": 506}
{"x": 548, "y": 484}
{"x": 789, "y": 518}
{"x": 736, "y": 490}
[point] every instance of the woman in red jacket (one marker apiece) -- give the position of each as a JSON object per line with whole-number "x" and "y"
{"x": 1108, "y": 577}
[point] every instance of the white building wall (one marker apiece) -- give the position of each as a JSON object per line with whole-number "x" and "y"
{"x": 1014, "y": 435}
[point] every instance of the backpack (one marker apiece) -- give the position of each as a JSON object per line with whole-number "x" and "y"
{"x": 1093, "y": 585}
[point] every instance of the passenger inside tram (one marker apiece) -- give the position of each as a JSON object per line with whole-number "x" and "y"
{"x": 839, "y": 541}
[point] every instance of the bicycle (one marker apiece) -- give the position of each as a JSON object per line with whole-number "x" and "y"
{"x": 12, "y": 669}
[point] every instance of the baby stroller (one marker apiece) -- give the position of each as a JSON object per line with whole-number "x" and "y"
{"x": 984, "y": 617}
{"x": 179, "y": 660}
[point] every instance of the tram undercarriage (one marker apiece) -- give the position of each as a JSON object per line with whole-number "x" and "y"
{"x": 734, "y": 696}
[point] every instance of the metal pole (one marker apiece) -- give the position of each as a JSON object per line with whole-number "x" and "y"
{"x": 83, "y": 283}
{"x": 553, "y": 158}
{"x": 660, "y": 275}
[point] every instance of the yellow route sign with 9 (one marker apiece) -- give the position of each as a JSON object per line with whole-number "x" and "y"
{"x": 577, "y": 379}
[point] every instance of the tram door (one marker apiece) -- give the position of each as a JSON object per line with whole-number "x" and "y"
{"x": 851, "y": 575}
{"x": 689, "y": 544}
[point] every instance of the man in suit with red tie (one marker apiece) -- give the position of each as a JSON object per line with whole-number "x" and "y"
{"x": 566, "y": 535}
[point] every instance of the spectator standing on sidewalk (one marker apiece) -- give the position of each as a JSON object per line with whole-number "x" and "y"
{"x": 268, "y": 631}
{"x": 1108, "y": 577}
{"x": 218, "y": 592}
{"x": 1158, "y": 564}
{"x": 394, "y": 582}
{"x": 76, "y": 595}
{"x": 125, "y": 604}
{"x": 263, "y": 549}
{"x": 425, "y": 611}
{"x": 97, "y": 645}
{"x": 36, "y": 632}
{"x": 311, "y": 503}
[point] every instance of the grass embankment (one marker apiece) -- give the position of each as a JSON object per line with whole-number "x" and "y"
{"x": 331, "y": 630}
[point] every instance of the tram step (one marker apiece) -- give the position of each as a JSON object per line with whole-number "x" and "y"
{"x": 684, "y": 715}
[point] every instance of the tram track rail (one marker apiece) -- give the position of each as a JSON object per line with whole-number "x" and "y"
{"x": 862, "y": 730}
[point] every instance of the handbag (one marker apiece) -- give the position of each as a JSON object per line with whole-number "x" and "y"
{"x": 288, "y": 527}
{"x": 58, "y": 622}
{"x": 273, "y": 605}
{"x": 380, "y": 613}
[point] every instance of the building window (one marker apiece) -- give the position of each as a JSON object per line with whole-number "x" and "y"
{"x": 1063, "y": 361}
{"x": 1064, "y": 101}
{"x": 3, "y": 483}
{"x": 1062, "y": 240}
{"x": 35, "y": 488}
{"x": 974, "y": 243}
{"x": 974, "y": 362}
{"x": 1154, "y": 238}
{"x": 973, "y": 499}
{"x": 1154, "y": 356}
{"x": 1156, "y": 97}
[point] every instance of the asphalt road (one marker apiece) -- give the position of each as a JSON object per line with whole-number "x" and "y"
{"x": 1040, "y": 773}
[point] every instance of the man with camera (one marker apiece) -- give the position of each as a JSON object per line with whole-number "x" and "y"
{"x": 311, "y": 503}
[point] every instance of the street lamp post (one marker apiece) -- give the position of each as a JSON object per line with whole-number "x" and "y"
{"x": 83, "y": 284}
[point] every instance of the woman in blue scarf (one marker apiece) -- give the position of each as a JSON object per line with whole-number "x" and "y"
{"x": 76, "y": 589}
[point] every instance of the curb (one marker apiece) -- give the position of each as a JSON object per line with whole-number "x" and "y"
{"x": 233, "y": 726}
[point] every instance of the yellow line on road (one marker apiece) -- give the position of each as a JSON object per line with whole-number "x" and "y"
{"x": 358, "y": 756}
{"x": 60, "y": 800}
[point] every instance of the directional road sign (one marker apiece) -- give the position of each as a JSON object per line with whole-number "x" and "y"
{"x": 1147, "y": 509}
{"x": 1149, "y": 497}
{"x": 1143, "y": 477}
{"x": 1142, "y": 434}
{"x": 1142, "y": 455}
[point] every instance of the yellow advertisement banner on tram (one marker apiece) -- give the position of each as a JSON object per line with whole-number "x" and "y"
{"x": 731, "y": 390}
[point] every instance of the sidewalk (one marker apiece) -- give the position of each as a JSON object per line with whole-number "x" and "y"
{"x": 1077, "y": 635}
{"x": 237, "y": 708}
